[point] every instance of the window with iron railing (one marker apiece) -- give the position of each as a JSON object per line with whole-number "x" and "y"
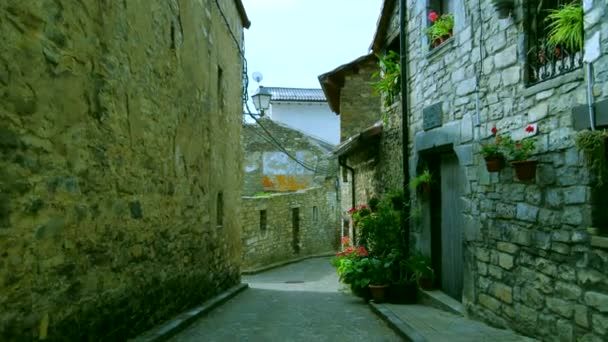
{"x": 545, "y": 59}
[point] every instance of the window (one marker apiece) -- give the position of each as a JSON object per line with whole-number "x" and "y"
{"x": 315, "y": 214}
{"x": 263, "y": 220}
{"x": 220, "y": 89}
{"x": 220, "y": 209}
{"x": 295, "y": 230}
{"x": 344, "y": 175}
{"x": 544, "y": 60}
{"x": 440, "y": 19}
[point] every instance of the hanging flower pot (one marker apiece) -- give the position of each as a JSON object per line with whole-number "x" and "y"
{"x": 495, "y": 163}
{"x": 503, "y": 7}
{"x": 525, "y": 170}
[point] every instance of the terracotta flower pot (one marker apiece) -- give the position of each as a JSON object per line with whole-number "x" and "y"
{"x": 437, "y": 42}
{"x": 379, "y": 293}
{"x": 525, "y": 170}
{"x": 495, "y": 163}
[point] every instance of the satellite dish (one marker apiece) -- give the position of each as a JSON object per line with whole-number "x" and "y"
{"x": 257, "y": 76}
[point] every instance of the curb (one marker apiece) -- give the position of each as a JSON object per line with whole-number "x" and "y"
{"x": 179, "y": 323}
{"x": 402, "y": 328}
{"x": 283, "y": 263}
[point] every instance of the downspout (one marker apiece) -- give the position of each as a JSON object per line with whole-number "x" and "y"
{"x": 404, "y": 118}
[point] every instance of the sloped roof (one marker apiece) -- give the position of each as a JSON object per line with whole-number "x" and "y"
{"x": 333, "y": 81}
{"x": 242, "y": 14}
{"x": 382, "y": 26}
{"x": 358, "y": 139}
{"x": 296, "y": 94}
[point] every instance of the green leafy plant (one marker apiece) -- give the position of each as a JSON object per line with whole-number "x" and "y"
{"x": 424, "y": 178}
{"x": 566, "y": 27}
{"x": 380, "y": 232}
{"x": 593, "y": 144}
{"x": 389, "y": 77}
{"x": 442, "y": 27}
{"x": 495, "y": 147}
{"x": 380, "y": 271}
{"x": 522, "y": 149}
{"x": 420, "y": 267}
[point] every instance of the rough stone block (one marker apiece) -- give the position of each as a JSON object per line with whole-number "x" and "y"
{"x": 506, "y": 211}
{"x": 505, "y": 261}
{"x": 511, "y": 76}
{"x": 597, "y": 300}
{"x": 575, "y": 194}
{"x": 506, "y": 57}
{"x": 565, "y": 330}
{"x": 590, "y": 277}
{"x": 573, "y": 216}
{"x": 538, "y": 112}
{"x": 503, "y": 292}
{"x": 495, "y": 272}
{"x": 489, "y": 302}
{"x": 560, "y": 307}
{"x": 581, "y": 316}
{"x": 526, "y": 212}
{"x": 560, "y": 248}
{"x": 466, "y": 87}
{"x": 600, "y": 323}
{"x": 507, "y": 247}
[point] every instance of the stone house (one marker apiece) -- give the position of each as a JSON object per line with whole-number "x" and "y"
{"x": 517, "y": 254}
{"x": 118, "y": 121}
{"x": 369, "y": 147}
{"x": 290, "y": 201}
{"x": 305, "y": 110}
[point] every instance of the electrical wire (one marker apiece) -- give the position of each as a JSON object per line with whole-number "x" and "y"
{"x": 246, "y": 98}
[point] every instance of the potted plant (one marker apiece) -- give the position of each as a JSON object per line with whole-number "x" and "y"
{"x": 520, "y": 151}
{"x": 403, "y": 288}
{"x": 422, "y": 181}
{"x": 353, "y": 268}
{"x": 503, "y": 7}
{"x": 593, "y": 145}
{"x": 422, "y": 271}
{"x": 566, "y": 28}
{"x": 492, "y": 152}
{"x": 441, "y": 28}
{"x": 379, "y": 279}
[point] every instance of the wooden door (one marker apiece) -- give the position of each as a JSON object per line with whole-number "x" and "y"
{"x": 452, "y": 188}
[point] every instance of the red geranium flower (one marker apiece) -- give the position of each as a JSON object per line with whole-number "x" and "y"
{"x": 494, "y": 130}
{"x": 352, "y": 210}
{"x": 518, "y": 145}
{"x": 362, "y": 251}
{"x": 345, "y": 240}
{"x": 530, "y": 129}
{"x": 433, "y": 16}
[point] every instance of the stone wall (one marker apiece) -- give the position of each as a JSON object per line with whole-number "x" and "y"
{"x": 530, "y": 264}
{"x": 359, "y": 106}
{"x": 319, "y": 225}
{"x": 269, "y": 169}
{"x": 118, "y": 121}
{"x": 364, "y": 161}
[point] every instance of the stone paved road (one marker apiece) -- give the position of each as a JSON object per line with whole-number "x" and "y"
{"x": 278, "y": 307}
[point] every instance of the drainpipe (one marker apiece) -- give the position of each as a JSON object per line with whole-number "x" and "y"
{"x": 404, "y": 117}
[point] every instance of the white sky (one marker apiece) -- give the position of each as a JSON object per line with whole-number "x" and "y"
{"x": 291, "y": 42}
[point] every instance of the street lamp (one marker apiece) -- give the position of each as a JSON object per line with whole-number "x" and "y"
{"x": 261, "y": 100}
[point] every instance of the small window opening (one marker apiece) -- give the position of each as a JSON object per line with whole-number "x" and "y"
{"x": 315, "y": 214}
{"x": 220, "y": 88}
{"x": 263, "y": 220}
{"x": 220, "y": 209}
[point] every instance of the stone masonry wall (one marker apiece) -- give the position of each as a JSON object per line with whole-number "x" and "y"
{"x": 358, "y": 103}
{"x": 259, "y": 149}
{"x": 530, "y": 264}
{"x": 118, "y": 121}
{"x": 318, "y": 233}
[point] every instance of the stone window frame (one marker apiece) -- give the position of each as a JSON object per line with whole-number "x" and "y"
{"x": 315, "y": 214}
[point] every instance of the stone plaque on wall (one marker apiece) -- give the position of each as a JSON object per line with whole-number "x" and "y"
{"x": 431, "y": 116}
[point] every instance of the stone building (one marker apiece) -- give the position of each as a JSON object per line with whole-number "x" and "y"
{"x": 290, "y": 200}
{"x": 118, "y": 121}
{"x": 517, "y": 254}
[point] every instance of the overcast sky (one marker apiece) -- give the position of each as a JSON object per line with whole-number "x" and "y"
{"x": 291, "y": 42}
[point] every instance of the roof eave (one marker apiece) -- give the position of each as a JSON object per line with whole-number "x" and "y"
{"x": 383, "y": 22}
{"x": 356, "y": 140}
{"x": 243, "y": 14}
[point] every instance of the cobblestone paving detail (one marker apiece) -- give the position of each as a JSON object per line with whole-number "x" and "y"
{"x": 299, "y": 302}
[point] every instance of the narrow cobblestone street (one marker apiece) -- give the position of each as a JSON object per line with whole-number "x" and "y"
{"x": 298, "y": 302}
